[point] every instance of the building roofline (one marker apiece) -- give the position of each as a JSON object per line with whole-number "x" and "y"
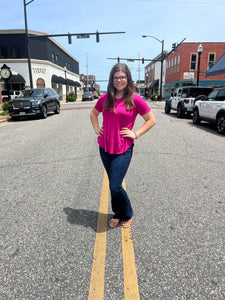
{"x": 37, "y": 33}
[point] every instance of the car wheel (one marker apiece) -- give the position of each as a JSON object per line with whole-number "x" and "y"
{"x": 221, "y": 124}
{"x": 44, "y": 112}
{"x": 180, "y": 112}
{"x": 57, "y": 110}
{"x": 196, "y": 119}
{"x": 167, "y": 108}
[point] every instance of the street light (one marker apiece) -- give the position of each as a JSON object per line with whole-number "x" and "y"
{"x": 27, "y": 42}
{"x": 200, "y": 49}
{"x": 161, "y": 73}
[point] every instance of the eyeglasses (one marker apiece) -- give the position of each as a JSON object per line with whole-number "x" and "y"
{"x": 121, "y": 78}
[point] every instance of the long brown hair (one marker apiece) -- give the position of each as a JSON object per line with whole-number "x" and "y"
{"x": 111, "y": 90}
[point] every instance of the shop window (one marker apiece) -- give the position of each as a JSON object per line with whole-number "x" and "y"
{"x": 40, "y": 83}
{"x": 211, "y": 60}
{"x": 193, "y": 62}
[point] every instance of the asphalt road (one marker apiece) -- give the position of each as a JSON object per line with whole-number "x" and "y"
{"x": 51, "y": 179}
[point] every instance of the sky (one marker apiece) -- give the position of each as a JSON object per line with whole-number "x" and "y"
{"x": 168, "y": 20}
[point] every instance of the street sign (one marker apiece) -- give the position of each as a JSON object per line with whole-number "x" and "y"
{"x": 83, "y": 36}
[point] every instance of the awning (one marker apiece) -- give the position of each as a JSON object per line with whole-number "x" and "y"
{"x": 218, "y": 68}
{"x": 61, "y": 80}
{"x": 58, "y": 79}
{"x": 16, "y": 79}
{"x": 155, "y": 83}
{"x": 72, "y": 83}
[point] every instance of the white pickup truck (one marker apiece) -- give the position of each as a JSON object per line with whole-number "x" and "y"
{"x": 183, "y": 99}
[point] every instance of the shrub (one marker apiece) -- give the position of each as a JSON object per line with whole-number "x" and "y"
{"x": 5, "y": 108}
{"x": 71, "y": 97}
{"x": 155, "y": 95}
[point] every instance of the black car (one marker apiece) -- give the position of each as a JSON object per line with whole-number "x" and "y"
{"x": 34, "y": 102}
{"x": 87, "y": 96}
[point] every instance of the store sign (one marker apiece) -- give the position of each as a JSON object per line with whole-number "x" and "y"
{"x": 39, "y": 70}
{"x": 189, "y": 75}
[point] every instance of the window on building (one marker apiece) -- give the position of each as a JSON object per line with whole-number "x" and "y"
{"x": 193, "y": 62}
{"x": 178, "y": 64}
{"x": 211, "y": 60}
{"x": 3, "y": 52}
{"x": 166, "y": 67}
{"x": 15, "y": 52}
{"x": 175, "y": 63}
{"x": 57, "y": 59}
{"x": 53, "y": 57}
{"x": 169, "y": 68}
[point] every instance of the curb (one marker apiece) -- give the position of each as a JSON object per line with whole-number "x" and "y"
{"x": 4, "y": 119}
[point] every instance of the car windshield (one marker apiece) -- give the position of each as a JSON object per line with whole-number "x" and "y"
{"x": 88, "y": 94}
{"x": 31, "y": 93}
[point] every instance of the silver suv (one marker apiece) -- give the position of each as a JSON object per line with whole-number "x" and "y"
{"x": 183, "y": 99}
{"x": 211, "y": 109}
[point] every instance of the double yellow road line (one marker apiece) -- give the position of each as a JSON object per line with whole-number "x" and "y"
{"x": 96, "y": 291}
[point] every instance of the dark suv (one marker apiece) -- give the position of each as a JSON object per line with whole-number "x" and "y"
{"x": 32, "y": 102}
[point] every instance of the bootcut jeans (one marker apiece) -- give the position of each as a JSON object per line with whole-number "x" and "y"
{"x": 116, "y": 166}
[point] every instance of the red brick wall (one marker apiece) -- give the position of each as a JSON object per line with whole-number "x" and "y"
{"x": 185, "y": 50}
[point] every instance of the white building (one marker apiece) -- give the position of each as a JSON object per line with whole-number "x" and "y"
{"x": 51, "y": 65}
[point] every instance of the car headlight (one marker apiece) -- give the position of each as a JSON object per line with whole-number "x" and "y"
{"x": 36, "y": 102}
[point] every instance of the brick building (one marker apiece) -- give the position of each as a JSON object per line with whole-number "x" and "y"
{"x": 182, "y": 66}
{"x": 89, "y": 83}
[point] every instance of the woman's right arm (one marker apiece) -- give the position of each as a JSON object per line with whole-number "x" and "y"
{"x": 94, "y": 120}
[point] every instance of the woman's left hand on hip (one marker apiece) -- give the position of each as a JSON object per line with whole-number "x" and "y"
{"x": 126, "y": 132}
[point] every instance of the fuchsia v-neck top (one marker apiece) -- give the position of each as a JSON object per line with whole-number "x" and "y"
{"x": 113, "y": 122}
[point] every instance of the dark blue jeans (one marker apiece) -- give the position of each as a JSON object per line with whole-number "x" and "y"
{"x": 116, "y": 166}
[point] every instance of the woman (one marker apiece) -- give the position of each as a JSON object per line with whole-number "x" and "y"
{"x": 119, "y": 107}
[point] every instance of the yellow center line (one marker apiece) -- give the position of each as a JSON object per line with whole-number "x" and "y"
{"x": 98, "y": 268}
{"x": 96, "y": 291}
{"x": 131, "y": 290}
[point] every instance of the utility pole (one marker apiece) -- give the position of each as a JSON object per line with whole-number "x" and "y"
{"x": 87, "y": 70}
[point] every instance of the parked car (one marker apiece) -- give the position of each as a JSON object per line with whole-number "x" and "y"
{"x": 13, "y": 95}
{"x": 87, "y": 96}
{"x": 183, "y": 99}
{"x": 211, "y": 109}
{"x": 32, "y": 102}
{"x": 95, "y": 94}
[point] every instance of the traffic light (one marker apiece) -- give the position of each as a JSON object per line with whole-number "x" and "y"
{"x": 69, "y": 38}
{"x": 143, "y": 60}
{"x": 97, "y": 36}
{"x": 118, "y": 59}
{"x": 173, "y": 46}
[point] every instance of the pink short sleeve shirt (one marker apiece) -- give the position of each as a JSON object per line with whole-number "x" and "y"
{"x": 111, "y": 141}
